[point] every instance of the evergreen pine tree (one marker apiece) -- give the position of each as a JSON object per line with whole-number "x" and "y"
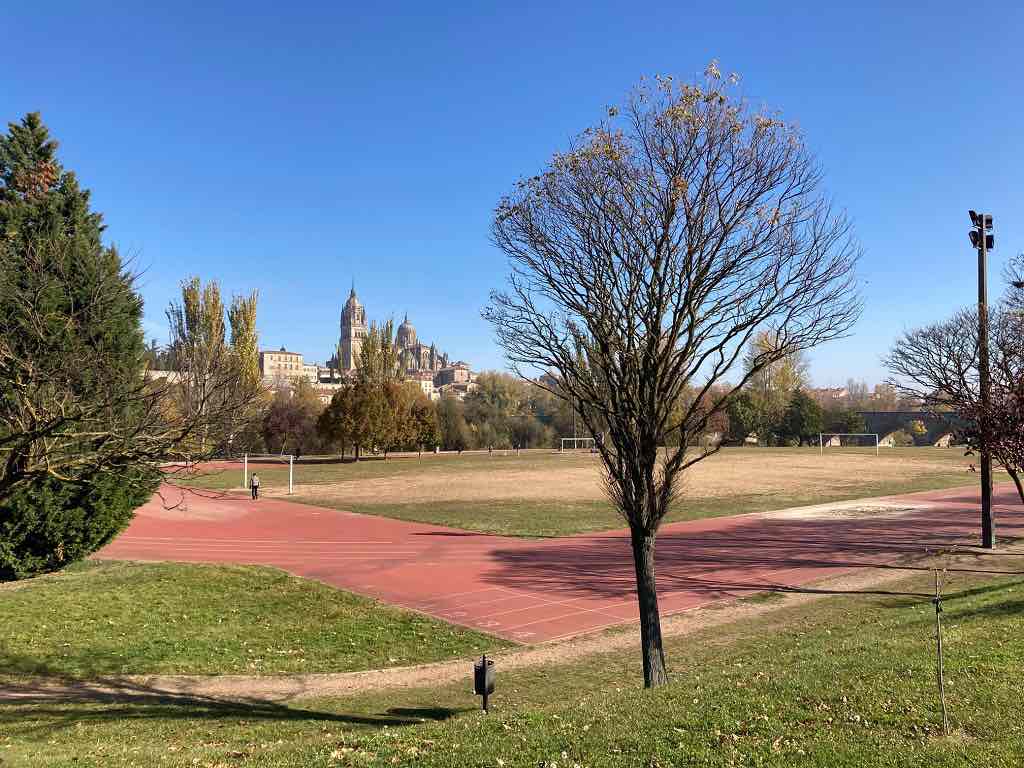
{"x": 71, "y": 343}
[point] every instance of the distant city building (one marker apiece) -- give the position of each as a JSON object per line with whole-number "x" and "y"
{"x": 425, "y": 381}
{"x": 325, "y": 390}
{"x": 829, "y": 394}
{"x": 456, "y": 373}
{"x": 458, "y": 390}
{"x": 282, "y": 365}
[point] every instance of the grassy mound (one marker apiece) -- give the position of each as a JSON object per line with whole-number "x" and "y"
{"x": 168, "y": 618}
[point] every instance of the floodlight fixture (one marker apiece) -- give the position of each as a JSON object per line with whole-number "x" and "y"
{"x": 982, "y": 223}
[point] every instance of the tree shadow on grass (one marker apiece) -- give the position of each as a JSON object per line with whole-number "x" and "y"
{"x": 60, "y": 701}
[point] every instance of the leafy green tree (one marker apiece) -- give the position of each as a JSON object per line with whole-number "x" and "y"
{"x": 771, "y": 385}
{"x": 77, "y": 421}
{"x": 802, "y": 420}
{"x": 336, "y": 424}
{"x": 398, "y": 427}
{"x": 290, "y": 424}
{"x": 455, "y": 433}
{"x": 844, "y": 421}
{"x": 378, "y": 356}
{"x": 744, "y": 418}
{"x": 424, "y": 418}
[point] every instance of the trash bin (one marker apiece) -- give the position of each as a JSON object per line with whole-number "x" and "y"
{"x": 483, "y": 677}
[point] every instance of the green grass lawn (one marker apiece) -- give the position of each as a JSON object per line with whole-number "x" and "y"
{"x": 134, "y": 618}
{"x": 838, "y": 682}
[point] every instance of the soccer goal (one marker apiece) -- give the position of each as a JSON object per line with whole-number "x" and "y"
{"x": 847, "y": 440}
{"x": 576, "y": 444}
{"x": 280, "y": 459}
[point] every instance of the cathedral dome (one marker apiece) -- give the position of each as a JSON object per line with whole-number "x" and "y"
{"x": 406, "y": 336}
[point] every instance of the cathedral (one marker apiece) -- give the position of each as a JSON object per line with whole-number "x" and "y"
{"x": 413, "y": 356}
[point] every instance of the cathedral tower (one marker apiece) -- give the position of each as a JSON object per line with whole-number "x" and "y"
{"x": 353, "y": 331}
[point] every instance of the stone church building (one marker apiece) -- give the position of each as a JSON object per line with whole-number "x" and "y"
{"x": 413, "y": 356}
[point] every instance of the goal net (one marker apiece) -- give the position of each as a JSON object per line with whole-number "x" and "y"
{"x": 273, "y": 469}
{"x": 577, "y": 444}
{"x": 863, "y": 440}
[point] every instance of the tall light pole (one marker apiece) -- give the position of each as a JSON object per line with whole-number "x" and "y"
{"x": 983, "y": 240}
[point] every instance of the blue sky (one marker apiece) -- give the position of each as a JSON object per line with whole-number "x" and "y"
{"x": 294, "y": 147}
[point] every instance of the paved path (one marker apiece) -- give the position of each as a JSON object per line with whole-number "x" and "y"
{"x": 531, "y": 590}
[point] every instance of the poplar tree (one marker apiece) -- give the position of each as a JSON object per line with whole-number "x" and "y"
{"x": 216, "y": 383}
{"x": 244, "y": 340}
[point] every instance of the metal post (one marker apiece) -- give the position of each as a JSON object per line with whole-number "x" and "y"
{"x": 484, "y": 659}
{"x": 938, "y": 643}
{"x": 245, "y": 470}
{"x": 987, "y": 527}
{"x": 821, "y": 444}
{"x": 291, "y": 462}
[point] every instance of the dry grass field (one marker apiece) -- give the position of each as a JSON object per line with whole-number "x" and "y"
{"x": 545, "y": 493}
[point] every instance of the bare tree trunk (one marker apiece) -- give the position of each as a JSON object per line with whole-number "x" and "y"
{"x": 1015, "y": 476}
{"x": 650, "y": 618}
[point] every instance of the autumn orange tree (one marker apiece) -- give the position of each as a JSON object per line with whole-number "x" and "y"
{"x": 644, "y": 260}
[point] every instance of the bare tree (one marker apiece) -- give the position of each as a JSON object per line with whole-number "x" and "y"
{"x": 938, "y": 367}
{"x": 644, "y": 260}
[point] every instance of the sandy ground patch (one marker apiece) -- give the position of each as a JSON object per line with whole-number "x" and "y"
{"x": 729, "y": 473}
{"x": 847, "y": 510}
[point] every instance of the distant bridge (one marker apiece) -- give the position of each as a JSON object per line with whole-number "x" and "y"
{"x": 940, "y": 429}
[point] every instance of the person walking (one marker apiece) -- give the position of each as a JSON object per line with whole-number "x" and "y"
{"x": 254, "y": 486}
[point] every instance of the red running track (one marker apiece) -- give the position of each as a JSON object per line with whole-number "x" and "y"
{"x": 529, "y": 590}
